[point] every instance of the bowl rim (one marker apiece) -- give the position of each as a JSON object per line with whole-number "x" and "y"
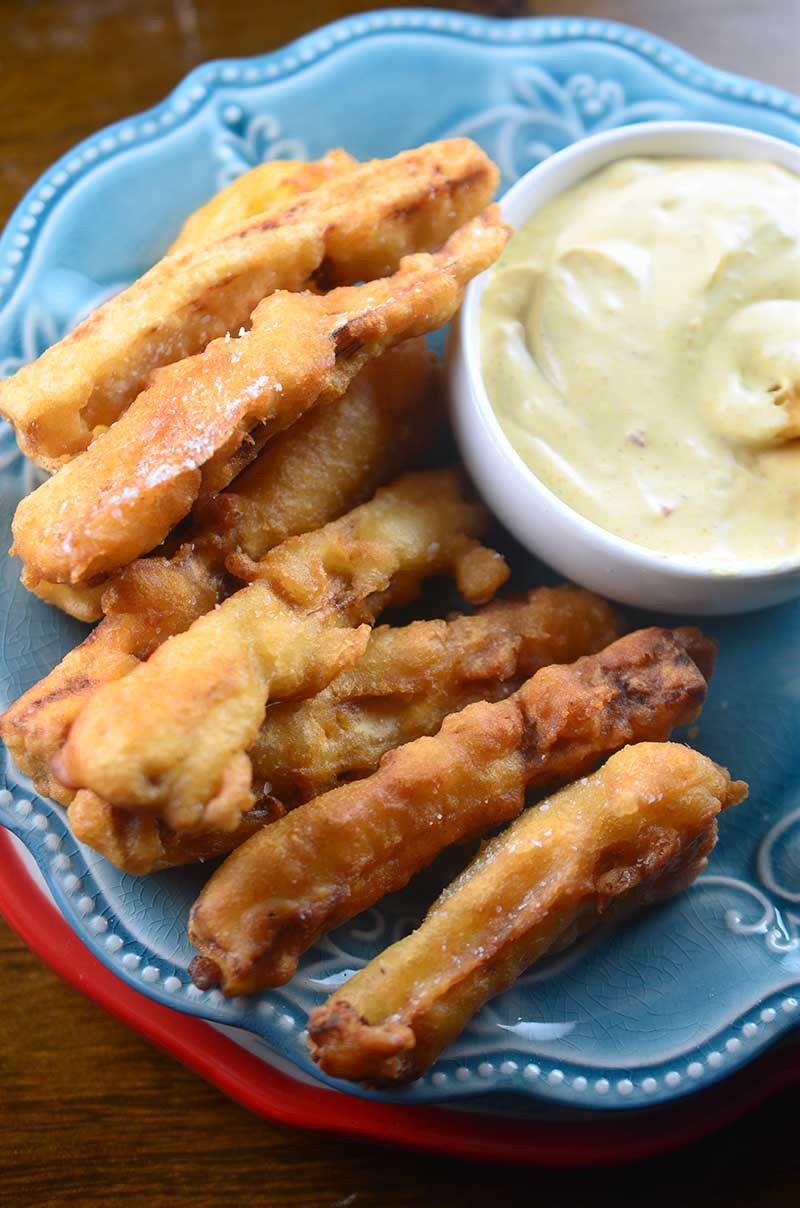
{"x": 467, "y": 347}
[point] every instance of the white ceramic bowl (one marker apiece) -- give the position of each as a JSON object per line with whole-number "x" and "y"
{"x": 575, "y": 546}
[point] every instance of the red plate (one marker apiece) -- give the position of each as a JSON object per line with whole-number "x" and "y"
{"x": 604, "y": 1138}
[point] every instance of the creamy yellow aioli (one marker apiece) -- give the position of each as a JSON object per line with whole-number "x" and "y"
{"x": 640, "y": 345}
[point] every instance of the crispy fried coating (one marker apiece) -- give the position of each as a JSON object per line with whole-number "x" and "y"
{"x": 404, "y": 685}
{"x": 352, "y": 228}
{"x": 171, "y": 738}
{"x": 83, "y": 601}
{"x": 262, "y": 190}
{"x": 409, "y": 679}
{"x": 140, "y": 843}
{"x": 307, "y": 476}
{"x": 123, "y": 495}
{"x": 35, "y": 727}
{"x": 340, "y": 853}
{"x": 333, "y": 458}
{"x": 639, "y": 829}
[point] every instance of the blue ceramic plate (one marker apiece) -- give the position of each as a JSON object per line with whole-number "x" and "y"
{"x": 686, "y": 992}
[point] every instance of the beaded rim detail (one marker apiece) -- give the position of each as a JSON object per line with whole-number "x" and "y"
{"x": 629, "y": 1087}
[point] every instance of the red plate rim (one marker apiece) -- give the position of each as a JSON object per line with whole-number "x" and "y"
{"x": 603, "y": 1140}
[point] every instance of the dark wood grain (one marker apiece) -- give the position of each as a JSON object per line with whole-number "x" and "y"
{"x": 90, "y": 1114}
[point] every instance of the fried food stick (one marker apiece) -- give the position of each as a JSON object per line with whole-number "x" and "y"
{"x": 639, "y": 829}
{"x": 170, "y": 739}
{"x": 349, "y": 229}
{"x": 340, "y": 853}
{"x": 123, "y": 495}
{"x": 409, "y": 679}
{"x": 306, "y": 476}
{"x": 404, "y": 685}
{"x": 262, "y": 190}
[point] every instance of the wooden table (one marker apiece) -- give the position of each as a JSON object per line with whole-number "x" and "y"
{"x": 90, "y": 1114}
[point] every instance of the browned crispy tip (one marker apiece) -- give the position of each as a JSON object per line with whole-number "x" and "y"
{"x": 139, "y": 844}
{"x": 480, "y": 572}
{"x": 701, "y": 650}
{"x": 345, "y": 1045}
{"x": 204, "y": 972}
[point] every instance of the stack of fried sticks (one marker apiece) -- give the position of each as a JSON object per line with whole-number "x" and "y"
{"x": 222, "y": 435}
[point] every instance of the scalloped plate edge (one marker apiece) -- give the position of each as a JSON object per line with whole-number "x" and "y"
{"x": 744, "y": 1037}
{"x": 609, "y": 1139}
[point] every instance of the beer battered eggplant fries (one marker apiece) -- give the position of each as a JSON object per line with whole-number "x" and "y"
{"x": 308, "y": 475}
{"x": 123, "y": 495}
{"x": 639, "y": 829}
{"x": 408, "y": 680}
{"x": 264, "y": 189}
{"x": 403, "y": 686}
{"x": 231, "y": 439}
{"x": 340, "y": 853}
{"x": 171, "y": 737}
{"x": 351, "y": 228}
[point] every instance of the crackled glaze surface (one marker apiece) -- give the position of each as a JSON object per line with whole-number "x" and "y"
{"x": 686, "y": 992}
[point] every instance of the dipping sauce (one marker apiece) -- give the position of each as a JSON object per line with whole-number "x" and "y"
{"x": 640, "y": 345}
